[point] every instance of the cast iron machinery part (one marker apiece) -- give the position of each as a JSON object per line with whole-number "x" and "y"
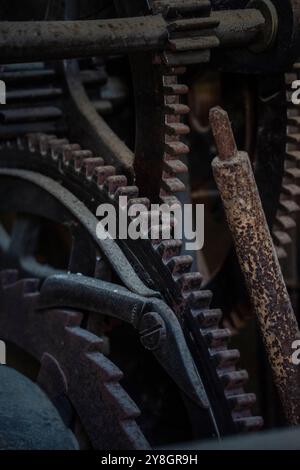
{"x": 159, "y": 331}
{"x": 68, "y": 355}
{"x": 172, "y": 164}
{"x": 158, "y": 94}
{"x": 276, "y": 172}
{"x": 95, "y": 182}
{"x": 278, "y": 58}
{"x": 101, "y": 139}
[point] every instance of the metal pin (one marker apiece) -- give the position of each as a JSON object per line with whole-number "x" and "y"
{"x": 258, "y": 260}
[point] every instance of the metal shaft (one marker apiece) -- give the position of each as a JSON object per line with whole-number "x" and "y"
{"x": 46, "y": 40}
{"x": 239, "y": 27}
{"x": 43, "y": 40}
{"x": 259, "y": 263}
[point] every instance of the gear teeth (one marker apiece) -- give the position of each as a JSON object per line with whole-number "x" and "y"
{"x": 249, "y": 424}
{"x": 281, "y": 253}
{"x": 154, "y": 215}
{"x": 169, "y": 248}
{"x": 8, "y": 277}
{"x": 160, "y": 232}
{"x": 88, "y": 342}
{"x": 44, "y": 143}
{"x": 291, "y": 190}
{"x": 175, "y": 167}
{"x": 113, "y": 183}
{"x": 90, "y": 164}
{"x": 177, "y": 8}
{"x": 199, "y": 300}
{"x": 294, "y": 138}
{"x": 84, "y": 158}
{"x": 292, "y": 173}
{"x": 173, "y": 185}
{"x": 176, "y": 129}
{"x": 176, "y": 109}
{"x": 282, "y": 238}
{"x": 49, "y": 142}
{"x": 289, "y": 206}
{"x": 33, "y": 141}
{"x": 103, "y": 172}
{"x": 170, "y": 71}
{"x": 180, "y": 265}
{"x": 187, "y": 57}
{"x": 170, "y": 200}
{"x": 21, "y": 143}
{"x": 175, "y": 89}
{"x": 189, "y": 282}
{"x": 233, "y": 379}
{"x": 66, "y": 151}
{"x": 193, "y": 44}
{"x": 139, "y": 201}
{"x": 25, "y": 287}
{"x": 120, "y": 401}
{"x": 294, "y": 120}
{"x": 55, "y": 147}
{"x": 217, "y": 338}
{"x": 226, "y": 359}
{"x": 242, "y": 402}
{"x": 176, "y": 148}
{"x": 208, "y": 318}
{"x": 285, "y": 222}
{"x": 131, "y": 192}
{"x": 109, "y": 372}
{"x": 293, "y": 155}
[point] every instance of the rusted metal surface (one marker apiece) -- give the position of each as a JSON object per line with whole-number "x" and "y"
{"x": 223, "y": 134}
{"x": 84, "y": 120}
{"x": 29, "y": 41}
{"x": 259, "y": 263}
{"x": 70, "y": 355}
{"x": 159, "y": 329}
{"x": 188, "y": 301}
{"x": 165, "y": 269}
{"x": 238, "y": 27}
{"x": 87, "y": 219}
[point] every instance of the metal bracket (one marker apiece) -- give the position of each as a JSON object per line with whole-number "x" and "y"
{"x": 159, "y": 329}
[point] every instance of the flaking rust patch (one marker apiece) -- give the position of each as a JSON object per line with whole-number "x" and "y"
{"x": 259, "y": 263}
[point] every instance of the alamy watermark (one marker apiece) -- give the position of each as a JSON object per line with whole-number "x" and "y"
{"x": 2, "y": 353}
{"x": 159, "y": 222}
{"x": 296, "y": 101}
{"x": 296, "y": 353}
{"x": 2, "y": 92}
